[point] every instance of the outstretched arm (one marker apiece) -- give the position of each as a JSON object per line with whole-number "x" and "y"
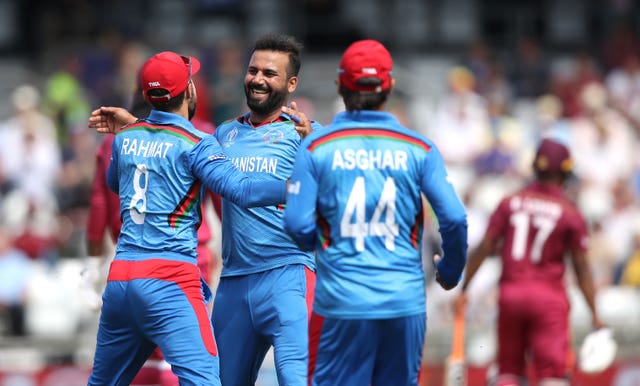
{"x": 109, "y": 119}
{"x": 218, "y": 173}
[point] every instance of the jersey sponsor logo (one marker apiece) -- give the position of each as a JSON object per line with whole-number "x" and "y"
{"x": 273, "y": 136}
{"x": 349, "y": 159}
{"x": 256, "y": 164}
{"x": 146, "y": 149}
{"x": 230, "y": 138}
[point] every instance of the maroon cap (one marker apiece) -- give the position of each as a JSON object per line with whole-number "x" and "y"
{"x": 365, "y": 59}
{"x": 552, "y": 156}
{"x": 167, "y": 71}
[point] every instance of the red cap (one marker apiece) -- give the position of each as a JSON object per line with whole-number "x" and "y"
{"x": 365, "y": 59}
{"x": 552, "y": 156}
{"x": 167, "y": 71}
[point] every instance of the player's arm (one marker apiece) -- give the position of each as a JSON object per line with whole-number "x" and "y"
{"x": 97, "y": 216}
{"x": 586, "y": 284}
{"x": 476, "y": 257}
{"x": 217, "y": 172}
{"x": 452, "y": 220}
{"x": 109, "y": 119}
{"x": 300, "y": 211}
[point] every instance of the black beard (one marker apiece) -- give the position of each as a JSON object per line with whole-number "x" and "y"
{"x": 274, "y": 102}
{"x": 192, "y": 110}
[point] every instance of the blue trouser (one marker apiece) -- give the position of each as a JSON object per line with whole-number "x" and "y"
{"x": 365, "y": 352}
{"x": 253, "y": 312}
{"x": 153, "y": 303}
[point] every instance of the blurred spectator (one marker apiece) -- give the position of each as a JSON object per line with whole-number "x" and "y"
{"x": 601, "y": 256}
{"x": 478, "y": 61}
{"x": 506, "y": 139}
{"x": 460, "y": 127}
{"x": 31, "y": 165}
{"x": 623, "y": 85}
{"x": 497, "y": 85}
{"x": 29, "y": 153}
{"x": 602, "y": 141}
{"x": 530, "y": 70}
{"x": 65, "y": 100}
{"x": 549, "y": 120}
{"x": 567, "y": 87}
{"x": 622, "y": 40}
{"x": 619, "y": 225}
{"x": 630, "y": 270}
{"x": 227, "y": 81}
{"x": 131, "y": 57}
{"x": 96, "y": 67}
{"x": 14, "y": 275}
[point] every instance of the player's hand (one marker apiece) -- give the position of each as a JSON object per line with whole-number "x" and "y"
{"x": 90, "y": 277}
{"x": 302, "y": 124}
{"x": 443, "y": 284}
{"x": 109, "y": 119}
{"x": 597, "y": 323}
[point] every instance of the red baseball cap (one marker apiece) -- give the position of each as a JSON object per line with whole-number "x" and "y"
{"x": 552, "y": 156}
{"x": 167, "y": 71}
{"x": 365, "y": 59}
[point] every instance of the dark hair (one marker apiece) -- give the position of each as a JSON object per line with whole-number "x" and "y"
{"x": 364, "y": 100}
{"x": 553, "y": 176}
{"x": 171, "y": 105}
{"x": 139, "y": 106}
{"x": 282, "y": 43}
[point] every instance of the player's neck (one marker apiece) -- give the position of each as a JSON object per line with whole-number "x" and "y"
{"x": 261, "y": 119}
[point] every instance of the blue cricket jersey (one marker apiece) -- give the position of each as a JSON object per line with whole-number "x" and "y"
{"x": 254, "y": 239}
{"x": 159, "y": 167}
{"x": 355, "y": 197}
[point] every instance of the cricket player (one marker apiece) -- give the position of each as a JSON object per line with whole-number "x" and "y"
{"x": 355, "y": 198}
{"x": 154, "y": 295}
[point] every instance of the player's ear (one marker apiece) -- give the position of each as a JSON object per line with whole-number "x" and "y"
{"x": 191, "y": 89}
{"x": 292, "y": 84}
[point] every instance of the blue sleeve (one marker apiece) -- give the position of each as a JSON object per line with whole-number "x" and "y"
{"x": 217, "y": 172}
{"x": 112, "y": 171}
{"x": 315, "y": 125}
{"x": 451, "y": 215}
{"x": 300, "y": 211}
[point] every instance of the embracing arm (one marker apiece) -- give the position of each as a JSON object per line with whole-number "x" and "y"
{"x": 217, "y": 172}
{"x": 109, "y": 119}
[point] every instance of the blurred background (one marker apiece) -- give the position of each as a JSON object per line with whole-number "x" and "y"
{"x": 484, "y": 79}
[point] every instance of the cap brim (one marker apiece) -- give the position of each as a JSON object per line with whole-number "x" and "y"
{"x": 195, "y": 65}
